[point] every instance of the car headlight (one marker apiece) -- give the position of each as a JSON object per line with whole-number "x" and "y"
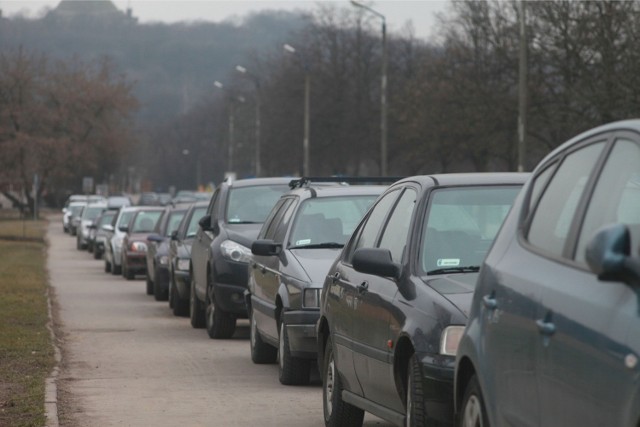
{"x": 311, "y": 298}
{"x": 164, "y": 260}
{"x": 138, "y": 247}
{"x": 450, "y": 340}
{"x": 183, "y": 264}
{"x": 235, "y": 251}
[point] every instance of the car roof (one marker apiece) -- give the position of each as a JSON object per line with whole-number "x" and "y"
{"x": 473, "y": 178}
{"x": 336, "y": 190}
{"x": 251, "y": 182}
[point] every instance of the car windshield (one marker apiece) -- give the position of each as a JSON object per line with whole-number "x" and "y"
{"x": 251, "y": 205}
{"x": 328, "y": 221}
{"x": 145, "y": 222}
{"x": 198, "y": 213}
{"x": 461, "y": 225}
{"x": 174, "y": 222}
{"x": 92, "y": 212}
{"x": 76, "y": 209}
{"x": 124, "y": 218}
{"x": 106, "y": 219}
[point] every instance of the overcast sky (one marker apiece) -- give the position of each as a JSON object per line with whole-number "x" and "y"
{"x": 397, "y": 12}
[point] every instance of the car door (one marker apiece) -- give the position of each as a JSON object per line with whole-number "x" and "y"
{"x": 373, "y": 328}
{"x": 266, "y": 272}
{"x": 347, "y": 284}
{"x": 586, "y": 369}
{"x": 200, "y": 248}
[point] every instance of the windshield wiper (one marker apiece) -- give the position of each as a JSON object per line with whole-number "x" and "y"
{"x": 467, "y": 269}
{"x": 327, "y": 245}
{"x": 233, "y": 222}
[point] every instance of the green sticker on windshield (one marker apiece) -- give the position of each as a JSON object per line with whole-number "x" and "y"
{"x": 303, "y": 242}
{"x": 448, "y": 262}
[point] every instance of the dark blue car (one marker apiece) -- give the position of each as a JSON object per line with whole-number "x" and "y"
{"x": 553, "y": 336}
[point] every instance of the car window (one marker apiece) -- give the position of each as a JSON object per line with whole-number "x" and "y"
{"x": 106, "y": 219}
{"x": 251, "y": 205}
{"x": 369, "y": 231}
{"x": 396, "y": 231}
{"x": 616, "y": 197}
{"x": 198, "y": 213}
{"x": 125, "y": 218}
{"x": 271, "y": 223}
{"x": 461, "y": 224}
{"x": 145, "y": 221}
{"x": 174, "y": 221}
{"x": 328, "y": 219}
{"x": 555, "y": 211}
{"x": 539, "y": 183}
{"x": 92, "y": 212}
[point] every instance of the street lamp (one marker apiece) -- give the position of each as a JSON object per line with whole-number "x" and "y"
{"x": 307, "y": 93}
{"x": 231, "y": 126}
{"x": 383, "y": 88}
{"x": 256, "y": 81}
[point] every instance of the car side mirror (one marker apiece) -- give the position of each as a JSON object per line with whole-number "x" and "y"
{"x": 124, "y": 228}
{"x": 376, "y": 261}
{"x": 108, "y": 227}
{"x": 609, "y": 255}
{"x": 265, "y": 247}
{"x": 205, "y": 223}
{"x": 155, "y": 238}
{"x": 174, "y": 235}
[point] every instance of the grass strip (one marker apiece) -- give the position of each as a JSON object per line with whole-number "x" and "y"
{"x": 26, "y": 351}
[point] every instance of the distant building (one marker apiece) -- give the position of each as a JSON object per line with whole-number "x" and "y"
{"x": 93, "y": 10}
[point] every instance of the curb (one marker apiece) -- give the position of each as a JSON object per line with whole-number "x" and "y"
{"x": 51, "y": 387}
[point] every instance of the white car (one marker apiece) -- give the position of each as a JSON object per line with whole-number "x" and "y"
{"x": 113, "y": 245}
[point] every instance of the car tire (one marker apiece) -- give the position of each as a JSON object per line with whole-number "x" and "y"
{"x": 219, "y": 323}
{"x": 261, "y": 352}
{"x": 179, "y": 306}
{"x": 150, "y": 287}
{"x": 196, "y": 312}
{"x": 292, "y": 370}
{"x": 158, "y": 293}
{"x": 337, "y": 412}
{"x": 107, "y": 266}
{"x": 473, "y": 412}
{"x": 96, "y": 253}
{"x": 416, "y": 412}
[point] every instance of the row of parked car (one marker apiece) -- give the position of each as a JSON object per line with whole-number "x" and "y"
{"x": 479, "y": 299}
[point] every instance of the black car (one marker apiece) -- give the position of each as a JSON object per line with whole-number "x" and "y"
{"x": 395, "y": 302}
{"x": 552, "y": 337}
{"x": 297, "y": 244}
{"x": 180, "y": 275}
{"x": 97, "y": 235}
{"x": 158, "y": 251}
{"x": 221, "y": 250}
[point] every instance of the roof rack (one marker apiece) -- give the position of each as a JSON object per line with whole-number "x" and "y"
{"x": 345, "y": 180}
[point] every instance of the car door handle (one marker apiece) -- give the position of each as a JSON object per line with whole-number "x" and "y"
{"x": 490, "y": 302}
{"x": 335, "y": 277}
{"x": 363, "y": 287}
{"x": 545, "y": 327}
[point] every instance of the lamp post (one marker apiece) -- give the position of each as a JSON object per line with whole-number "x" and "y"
{"x": 231, "y": 126}
{"x": 307, "y": 94}
{"x": 256, "y": 81}
{"x": 383, "y": 88}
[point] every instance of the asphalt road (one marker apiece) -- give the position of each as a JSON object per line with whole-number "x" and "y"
{"x": 127, "y": 361}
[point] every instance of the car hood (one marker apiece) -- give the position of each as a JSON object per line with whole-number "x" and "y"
{"x": 315, "y": 263}
{"x": 457, "y": 288}
{"x": 244, "y": 234}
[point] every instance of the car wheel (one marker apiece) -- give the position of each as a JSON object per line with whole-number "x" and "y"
{"x": 158, "y": 293}
{"x": 116, "y": 269}
{"x": 336, "y": 411}
{"x": 107, "y": 266}
{"x": 96, "y": 253}
{"x": 78, "y": 244}
{"x": 172, "y": 291}
{"x": 473, "y": 412}
{"x": 415, "y": 408}
{"x": 293, "y": 370}
{"x": 220, "y": 324}
{"x": 261, "y": 352}
{"x": 196, "y": 312}
{"x": 150, "y": 287}
{"x": 179, "y": 306}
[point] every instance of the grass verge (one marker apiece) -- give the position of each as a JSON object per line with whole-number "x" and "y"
{"x": 26, "y": 351}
